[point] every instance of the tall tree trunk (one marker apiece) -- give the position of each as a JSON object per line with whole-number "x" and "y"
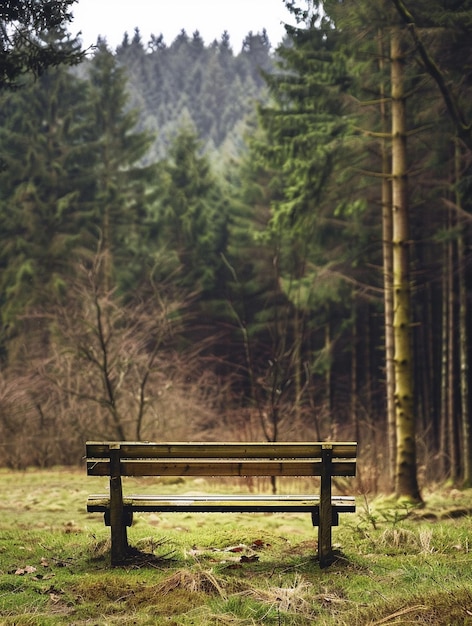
{"x": 354, "y": 378}
{"x": 107, "y": 252}
{"x": 329, "y": 381}
{"x": 297, "y": 362}
{"x": 406, "y": 483}
{"x": 426, "y": 420}
{"x": 451, "y": 420}
{"x": 387, "y": 237}
{"x": 369, "y": 362}
{"x": 466, "y": 439}
{"x": 444, "y": 465}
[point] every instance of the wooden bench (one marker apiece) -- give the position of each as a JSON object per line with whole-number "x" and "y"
{"x": 118, "y": 459}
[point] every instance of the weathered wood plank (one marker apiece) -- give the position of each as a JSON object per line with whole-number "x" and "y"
{"x": 222, "y": 503}
{"x": 173, "y": 450}
{"x": 221, "y": 467}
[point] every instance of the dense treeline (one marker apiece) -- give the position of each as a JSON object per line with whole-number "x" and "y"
{"x": 199, "y": 243}
{"x": 113, "y": 260}
{"x": 211, "y": 88}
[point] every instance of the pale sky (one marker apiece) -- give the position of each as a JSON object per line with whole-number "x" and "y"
{"x": 111, "y": 18}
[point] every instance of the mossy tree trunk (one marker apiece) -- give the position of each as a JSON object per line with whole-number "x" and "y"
{"x": 466, "y": 435}
{"x": 406, "y": 483}
{"x": 387, "y": 237}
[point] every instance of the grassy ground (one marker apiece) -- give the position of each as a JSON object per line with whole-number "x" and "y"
{"x": 397, "y": 565}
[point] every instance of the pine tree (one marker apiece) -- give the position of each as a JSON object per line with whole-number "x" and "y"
{"x": 41, "y": 142}
{"x": 120, "y": 185}
{"x": 191, "y": 221}
{"x": 70, "y": 180}
{"x": 23, "y": 49}
{"x": 259, "y": 313}
{"x": 307, "y": 129}
{"x": 405, "y": 477}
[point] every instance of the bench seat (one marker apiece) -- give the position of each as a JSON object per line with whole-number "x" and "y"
{"x": 100, "y": 503}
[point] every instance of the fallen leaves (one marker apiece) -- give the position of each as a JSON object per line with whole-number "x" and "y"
{"x": 55, "y": 594}
{"x": 32, "y": 570}
{"x": 21, "y": 571}
{"x": 247, "y": 553}
{"x": 258, "y": 544}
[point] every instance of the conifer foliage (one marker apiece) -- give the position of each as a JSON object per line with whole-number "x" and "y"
{"x": 22, "y": 47}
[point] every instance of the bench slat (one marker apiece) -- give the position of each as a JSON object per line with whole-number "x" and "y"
{"x": 294, "y": 450}
{"x": 204, "y": 503}
{"x": 221, "y": 467}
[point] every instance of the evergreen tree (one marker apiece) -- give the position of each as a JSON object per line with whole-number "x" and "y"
{"x": 432, "y": 26}
{"x": 69, "y": 181}
{"x": 120, "y": 185}
{"x": 41, "y": 137}
{"x": 191, "y": 220}
{"x": 316, "y": 225}
{"x": 23, "y": 24}
{"x": 376, "y": 22}
{"x": 258, "y": 310}
{"x": 256, "y": 56}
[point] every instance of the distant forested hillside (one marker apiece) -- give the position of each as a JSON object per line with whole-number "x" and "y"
{"x": 209, "y": 88}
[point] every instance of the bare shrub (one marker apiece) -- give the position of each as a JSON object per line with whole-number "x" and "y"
{"x": 30, "y": 430}
{"x": 100, "y": 368}
{"x": 114, "y": 358}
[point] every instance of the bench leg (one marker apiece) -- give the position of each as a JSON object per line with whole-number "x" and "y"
{"x": 119, "y": 537}
{"x": 119, "y": 544}
{"x": 325, "y": 549}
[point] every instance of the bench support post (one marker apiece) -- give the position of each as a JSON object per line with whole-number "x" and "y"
{"x": 119, "y": 539}
{"x": 325, "y": 549}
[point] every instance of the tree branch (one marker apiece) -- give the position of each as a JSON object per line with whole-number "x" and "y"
{"x": 462, "y": 127}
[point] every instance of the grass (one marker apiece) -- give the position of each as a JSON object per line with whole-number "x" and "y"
{"x": 397, "y": 565}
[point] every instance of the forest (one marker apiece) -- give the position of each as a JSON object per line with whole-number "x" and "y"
{"x": 201, "y": 242}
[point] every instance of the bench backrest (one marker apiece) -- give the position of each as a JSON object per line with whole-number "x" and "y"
{"x": 221, "y": 459}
